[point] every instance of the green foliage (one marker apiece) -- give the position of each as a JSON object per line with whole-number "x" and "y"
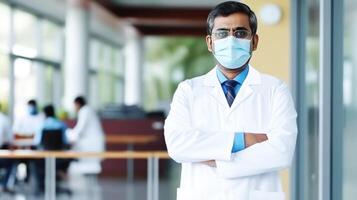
{"x": 4, "y": 107}
{"x": 176, "y": 59}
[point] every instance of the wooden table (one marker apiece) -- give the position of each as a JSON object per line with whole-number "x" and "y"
{"x": 128, "y": 139}
{"x": 51, "y": 156}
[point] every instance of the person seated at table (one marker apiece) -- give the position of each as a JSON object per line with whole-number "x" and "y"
{"x": 5, "y": 139}
{"x": 87, "y": 136}
{"x": 27, "y": 125}
{"x": 51, "y": 125}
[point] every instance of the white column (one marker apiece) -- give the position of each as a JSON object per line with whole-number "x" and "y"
{"x": 76, "y": 52}
{"x": 133, "y": 52}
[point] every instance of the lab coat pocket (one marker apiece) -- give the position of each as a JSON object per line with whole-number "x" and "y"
{"x": 262, "y": 195}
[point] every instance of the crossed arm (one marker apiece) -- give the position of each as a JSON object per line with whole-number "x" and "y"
{"x": 249, "y": 140}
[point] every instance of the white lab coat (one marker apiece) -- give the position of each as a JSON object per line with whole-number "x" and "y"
{"x": 87, "y": 136}
{"x": 201, "y": 127}
{"x": 28, "y": 125}
{"x": 5, "y": 129}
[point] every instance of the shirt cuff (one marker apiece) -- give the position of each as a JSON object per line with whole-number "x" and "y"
{"x": 239, "y": 142}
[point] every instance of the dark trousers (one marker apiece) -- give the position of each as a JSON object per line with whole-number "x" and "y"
{"x": 7, "y": 165}
{"x": 61, "y": 166}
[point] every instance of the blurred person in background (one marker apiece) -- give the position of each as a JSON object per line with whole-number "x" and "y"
{"x": 51, "y": 125}
{"x": 86, "y": 136}
{"x": 26, "y": 127}
{"x": 5, "y": 140}
{"x": 29, "y": 124}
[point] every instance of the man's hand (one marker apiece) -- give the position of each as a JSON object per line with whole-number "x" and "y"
{"x": 210, "y": 163}
{"x": 254, "y": 138}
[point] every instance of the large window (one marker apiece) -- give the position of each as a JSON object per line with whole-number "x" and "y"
{"x": 37, "y": 54}
{"x": 4, "y": 27}
{"x": 25, "y": 84}
{"x": 106, "y": 74}
{"x": 4, "y": 59}
{"x": 51, "y": 45}
{"x": 34, "y": 51}
{"x": 26, "y": 37}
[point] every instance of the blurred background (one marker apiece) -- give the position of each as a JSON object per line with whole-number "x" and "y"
{"x": 125, "y": 58}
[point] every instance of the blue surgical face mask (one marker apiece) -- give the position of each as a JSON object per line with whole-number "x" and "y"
{"x": 231, "y": 52}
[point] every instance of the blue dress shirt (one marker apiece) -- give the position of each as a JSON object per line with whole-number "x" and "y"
{"x": 239, "y": 142}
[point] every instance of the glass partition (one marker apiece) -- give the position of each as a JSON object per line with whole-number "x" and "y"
{"x": 349, "y": 135}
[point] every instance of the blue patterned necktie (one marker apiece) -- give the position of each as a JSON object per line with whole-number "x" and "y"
{"x": 230, "y": 90}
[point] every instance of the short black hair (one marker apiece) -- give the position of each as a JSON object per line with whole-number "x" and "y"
{"x": 230, "y": 7}
{"x": 32, "y": 102}
{"x": 80, "y": 100}
{"x": 49, "y": 111}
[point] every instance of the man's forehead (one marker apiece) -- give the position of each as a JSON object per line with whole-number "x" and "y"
{"x": 236, "y": 20}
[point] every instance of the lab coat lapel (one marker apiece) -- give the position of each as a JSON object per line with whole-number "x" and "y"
{"x": 246, "y": 90}
{"x": 211, "y": 80}
{"x": 215, "y": 88}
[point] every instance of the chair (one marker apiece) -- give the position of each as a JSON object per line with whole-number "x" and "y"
{"x": 52, "y": 140}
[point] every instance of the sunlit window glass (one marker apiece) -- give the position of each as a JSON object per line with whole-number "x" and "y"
{"x": 106, "y": 74}
{"x": 4, "y": 27}
{"x": 51, "y": 35}
{"x": 25, "y": 84}
{"x": 25, "y": 34}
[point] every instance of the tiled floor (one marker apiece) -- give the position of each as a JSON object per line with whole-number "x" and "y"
{"x": 89, "y": 188}
{"x": 103, "y": 189}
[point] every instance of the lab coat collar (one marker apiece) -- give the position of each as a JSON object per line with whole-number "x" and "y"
{"x": 253, "y": 78}
{"x": 211, "y": 80}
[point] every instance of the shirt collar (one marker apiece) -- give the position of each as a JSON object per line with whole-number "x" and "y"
{"x": 239, "y": 78}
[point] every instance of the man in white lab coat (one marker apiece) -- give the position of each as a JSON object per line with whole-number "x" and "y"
{"x": 87, "y": 136}
{"x": 30, "y": 123}
{"x": 233, "y": 128}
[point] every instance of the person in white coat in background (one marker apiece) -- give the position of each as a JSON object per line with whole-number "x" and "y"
{"x": 29, "y": 124}
{"x": 86, "y": 136}
{"x": 234, "y": 128}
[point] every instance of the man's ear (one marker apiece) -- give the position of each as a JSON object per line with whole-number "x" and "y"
{"x": 255, "y": 42}
{"x": 209, "y": 43}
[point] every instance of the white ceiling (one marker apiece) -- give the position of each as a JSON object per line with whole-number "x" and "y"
{"x": 170, "y": 3}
